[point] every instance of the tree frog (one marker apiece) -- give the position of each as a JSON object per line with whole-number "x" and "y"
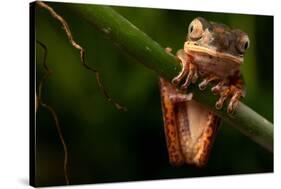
{"x": 213, "y": 52}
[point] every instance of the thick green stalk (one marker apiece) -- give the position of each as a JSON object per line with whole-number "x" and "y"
{"x": 152, "y": 55}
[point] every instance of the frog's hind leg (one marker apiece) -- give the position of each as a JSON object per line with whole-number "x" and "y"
{"x": 176, "y": 157}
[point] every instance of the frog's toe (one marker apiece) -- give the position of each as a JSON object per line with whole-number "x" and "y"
{"x": 234, "y": 101}
{"x": 223, "y": 96}
{"x": 187, "y": 81}
{"x": 218, "y": 88}
{"x": 176, "y": 81}
{"x": 192, "y": 76}
{"x": 231, "y": 106}
{"x": 168, "y": 49}
{"x": 202, "y": 86}
{"x": 179, "y": 77}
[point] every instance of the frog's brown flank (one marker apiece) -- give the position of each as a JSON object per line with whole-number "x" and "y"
{"x": 189, "y": 128}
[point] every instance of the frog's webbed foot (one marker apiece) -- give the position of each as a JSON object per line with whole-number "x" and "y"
{"x": 188, "y": 71}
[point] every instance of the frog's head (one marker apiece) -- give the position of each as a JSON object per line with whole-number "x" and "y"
{"x": 216, "y": 40}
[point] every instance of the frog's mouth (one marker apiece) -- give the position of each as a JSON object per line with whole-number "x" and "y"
{"x": 194, "y": 47}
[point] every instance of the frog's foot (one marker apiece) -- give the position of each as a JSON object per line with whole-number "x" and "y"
{"x": 202, "y": 86}
{"x": 233, "y": 92}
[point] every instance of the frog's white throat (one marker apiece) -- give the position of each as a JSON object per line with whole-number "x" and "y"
{"x": 191, "y": 46}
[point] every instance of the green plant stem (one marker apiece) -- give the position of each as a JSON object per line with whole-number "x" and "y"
{"x": 148, "y": 52}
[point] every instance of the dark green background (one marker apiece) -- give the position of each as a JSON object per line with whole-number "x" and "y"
{"x": 106, "y": 145}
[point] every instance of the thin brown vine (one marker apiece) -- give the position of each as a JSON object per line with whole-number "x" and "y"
{"x": 48, "y": 72}
{"x": 82, "y": 53}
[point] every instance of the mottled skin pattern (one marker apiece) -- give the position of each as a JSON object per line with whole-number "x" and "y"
{"x": 213, "y": 52}
{"x": 171, "y": 130}
{"x": 180, "y": 144}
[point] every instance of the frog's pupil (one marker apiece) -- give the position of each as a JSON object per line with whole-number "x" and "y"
{"x": 246, "y": 45}
{"x": 191, "y": 28}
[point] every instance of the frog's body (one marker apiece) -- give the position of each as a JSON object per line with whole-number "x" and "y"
{"x": 213, "y": 52}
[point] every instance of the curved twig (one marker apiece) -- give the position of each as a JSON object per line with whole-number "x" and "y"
{"x": 48, "y": 107}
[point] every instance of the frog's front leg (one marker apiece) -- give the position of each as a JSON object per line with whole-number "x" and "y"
{"x": 171, "y": 98}
{"x": 188, "y": 72}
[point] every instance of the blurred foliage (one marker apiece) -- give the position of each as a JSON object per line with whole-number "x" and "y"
{"x": 106, "y": 145}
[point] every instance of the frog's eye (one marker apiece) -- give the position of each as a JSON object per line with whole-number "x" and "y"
{"x": 195, "y": 29}
{"x": 243, "y": 44}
